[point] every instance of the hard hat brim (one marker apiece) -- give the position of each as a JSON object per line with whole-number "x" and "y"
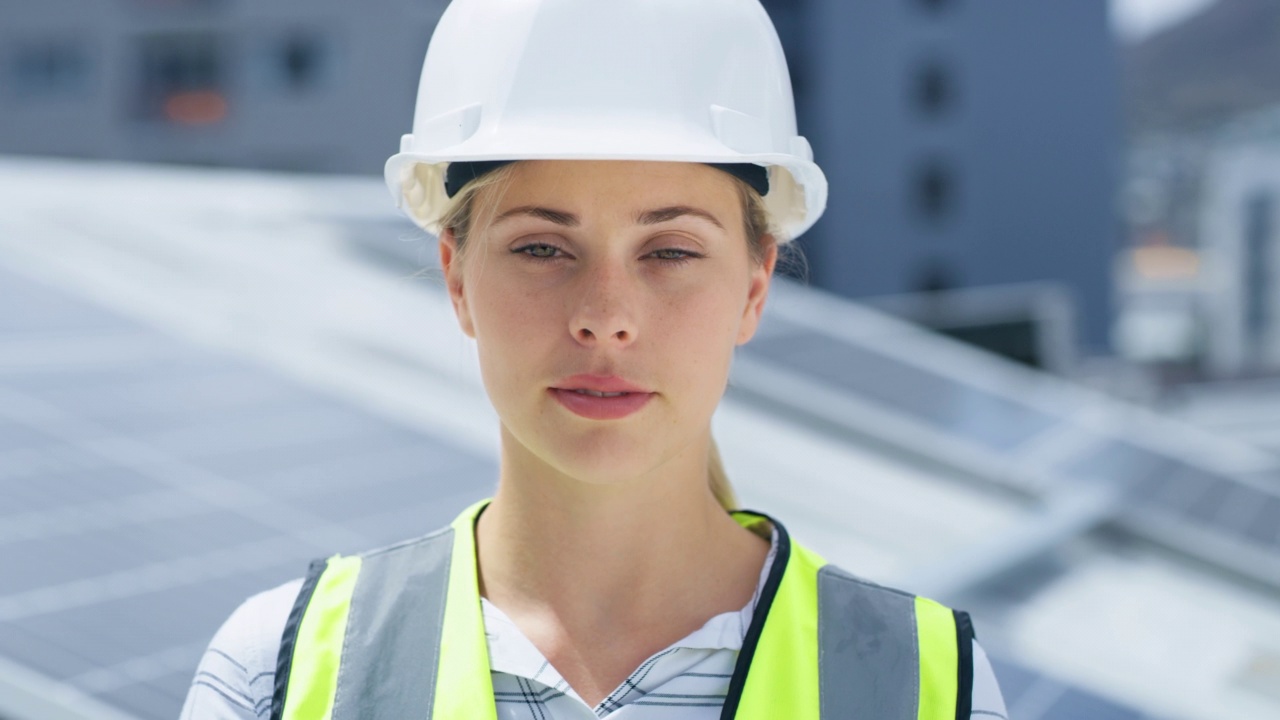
{"x": 798, "y": 187}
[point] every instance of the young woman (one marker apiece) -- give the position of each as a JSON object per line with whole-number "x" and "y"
{"x": 611, "y": 183}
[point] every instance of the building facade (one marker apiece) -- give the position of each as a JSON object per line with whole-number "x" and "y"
{"x": 967, "y": 143}
{"x": 289, "y": 84}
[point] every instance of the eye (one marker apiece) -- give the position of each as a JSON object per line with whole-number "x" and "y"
{"x": 674, "y": 256}
{"x": 539, "y": 251}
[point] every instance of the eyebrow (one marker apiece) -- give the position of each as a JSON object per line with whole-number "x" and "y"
{"x": 648, "y": 217}
{"x": 558, "y": 217}
{"x": 666, "y": 214}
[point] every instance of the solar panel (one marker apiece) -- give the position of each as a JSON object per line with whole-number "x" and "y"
{"x": 1266, "y": 523}
{"x": 1167, "y": 493}
{"x": 1118, "y": 461}
{"x": 994, "y": 422}
{"x": 145, "y": 490}
{"x": 1029, "y": 695}
{"x": 830, "y": 359}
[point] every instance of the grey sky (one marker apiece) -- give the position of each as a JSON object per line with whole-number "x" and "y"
{"x": 1138, "y": 18}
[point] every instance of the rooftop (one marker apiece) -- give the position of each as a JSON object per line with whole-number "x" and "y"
{"x": 209, "y": 377}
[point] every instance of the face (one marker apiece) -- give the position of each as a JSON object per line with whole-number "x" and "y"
{"x": 631, "y": 280}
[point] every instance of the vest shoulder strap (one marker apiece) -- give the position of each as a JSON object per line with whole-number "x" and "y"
{"x": 826, "y": 645}
{"x": 359, "y": 626}
{"x": 890, "y": 655}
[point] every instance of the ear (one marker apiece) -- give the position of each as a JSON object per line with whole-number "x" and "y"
{"x": 451, "y": 263}
{"x": 758, "y": 291}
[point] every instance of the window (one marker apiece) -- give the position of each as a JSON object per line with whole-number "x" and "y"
{"x": 181, "y": 79}
{"x": 933, "y": 91}
{"x": 291, "y": 63}
{"x": 934, "y": 276}
{"x": 933, "y": 191}
{"x": 300, "y": 59}
{"x": 47, "y": 69}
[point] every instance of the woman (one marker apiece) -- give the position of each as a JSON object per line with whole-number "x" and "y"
{"x": 611, "y": 183}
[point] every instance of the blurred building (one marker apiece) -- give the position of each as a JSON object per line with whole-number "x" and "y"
{"x": 285, "y": 84}
{"x": 1204, "y": 71}
{"x": 968, "y": 144}
{"x": 1184, "y": 90}
{"x": 1198, "y": 286}
{"x": 1240, "y": 238}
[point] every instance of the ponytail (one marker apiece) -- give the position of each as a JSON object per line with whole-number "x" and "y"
{"x": 719, "y": 481}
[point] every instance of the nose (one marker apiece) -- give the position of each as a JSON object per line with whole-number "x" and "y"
{"x": 604, "y": 314}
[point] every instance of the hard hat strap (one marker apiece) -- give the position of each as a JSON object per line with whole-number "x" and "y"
{"x": 458, "y": 174}
{"x": 757, "y": 176}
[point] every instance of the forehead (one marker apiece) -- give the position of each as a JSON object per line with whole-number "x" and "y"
{"x": 623, "y": 187}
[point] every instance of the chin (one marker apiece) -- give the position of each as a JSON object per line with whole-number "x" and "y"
{"x": 605, "y": 456}
{"x": 606, "y": 463}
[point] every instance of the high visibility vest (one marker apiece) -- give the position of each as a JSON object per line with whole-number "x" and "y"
{"x": 398, "y": 633}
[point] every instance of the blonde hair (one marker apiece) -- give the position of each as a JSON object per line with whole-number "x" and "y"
{"x": 459, "y": 216}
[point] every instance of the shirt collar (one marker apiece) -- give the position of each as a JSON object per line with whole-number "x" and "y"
{"x": 512, "y": 653}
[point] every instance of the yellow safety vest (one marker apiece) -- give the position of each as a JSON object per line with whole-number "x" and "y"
{"x": 397, "y": 632}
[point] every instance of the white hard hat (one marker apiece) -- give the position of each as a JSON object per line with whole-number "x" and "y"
{"x": 673, "y": 80}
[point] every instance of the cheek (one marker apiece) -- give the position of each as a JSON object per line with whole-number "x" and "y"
{"x": 712, "y": 305}
{"x": 701, "y": 319}
{"x": 514, "y": 327}
{"x": 697, "y": 331}
{"x": 504, "y": 310}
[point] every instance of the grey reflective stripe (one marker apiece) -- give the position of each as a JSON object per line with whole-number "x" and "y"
{"x": 392, "y": 647}
{"x": 868, "y": 655}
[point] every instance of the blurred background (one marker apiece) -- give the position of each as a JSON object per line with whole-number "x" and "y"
{"x": 1033, "y": 368}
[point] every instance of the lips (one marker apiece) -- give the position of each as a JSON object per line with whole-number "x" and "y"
{"x": 600, "y": 397}
{"x": 596, "y": 393}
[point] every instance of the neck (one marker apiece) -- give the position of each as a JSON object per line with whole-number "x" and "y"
{"x": 594, "y": 556}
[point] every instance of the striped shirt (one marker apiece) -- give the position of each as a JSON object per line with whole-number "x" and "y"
{"x": 686, "y": 681}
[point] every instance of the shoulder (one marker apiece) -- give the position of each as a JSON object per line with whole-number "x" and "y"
{"x": 236, "y": 675}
